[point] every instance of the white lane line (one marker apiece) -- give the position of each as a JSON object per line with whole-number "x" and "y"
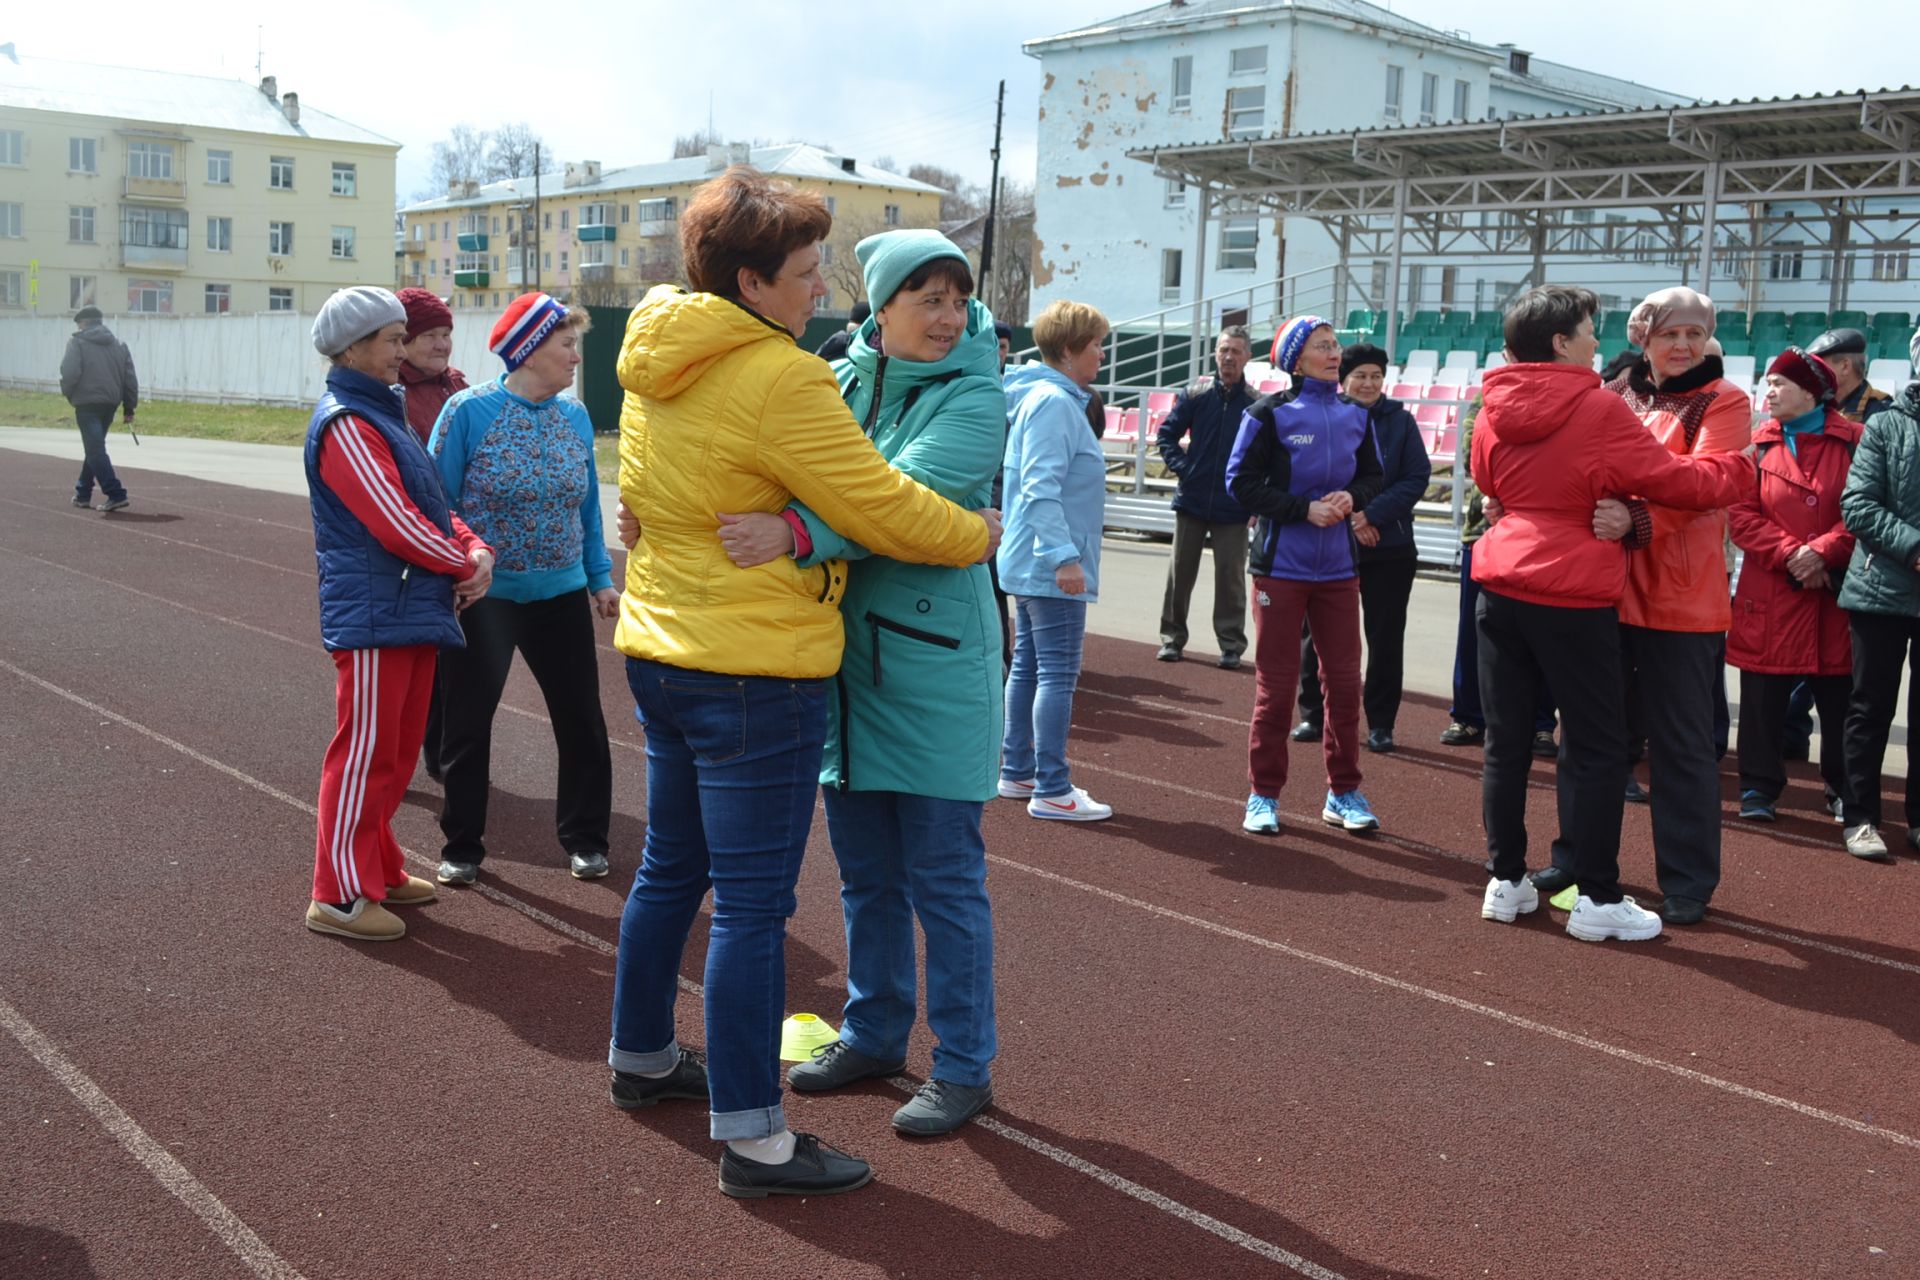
{"x": 1477, "y": 860}
{"x": 1185, "y": 1213}
{"x": 310, "y": 646}
{"x": 166, "y": 1170}
{"x": 123, "y": 528}
{"x": 1468, "y": 1006}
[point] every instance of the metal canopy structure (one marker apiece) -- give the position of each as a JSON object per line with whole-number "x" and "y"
{"x": 1530, "y": 186}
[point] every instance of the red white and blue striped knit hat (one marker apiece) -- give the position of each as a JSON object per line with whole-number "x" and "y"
{"x": 1292, "y": 340}
{"x": 530, "y": 320}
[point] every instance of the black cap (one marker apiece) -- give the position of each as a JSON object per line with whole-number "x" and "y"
{"x": 1003, "y": 329}
{"x": 85, "y": 314}
{"x": 1361, "y": 353}
{"x": 1839, "y": 342}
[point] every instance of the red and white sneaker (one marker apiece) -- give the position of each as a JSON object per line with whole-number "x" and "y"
{"x": 1016, "y": 788}
{"x": 1075, "y": 806}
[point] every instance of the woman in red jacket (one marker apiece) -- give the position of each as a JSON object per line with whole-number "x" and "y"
{"x": 1787, "y": 624}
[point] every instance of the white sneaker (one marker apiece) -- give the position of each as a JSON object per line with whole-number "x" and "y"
{"x": 1864, "y": 841}
{"x": 1020, "y": 789}
{"x": 1075, "y": 806}
{"x": 1506, "y": 899}
{"x": 1626, "y": 920}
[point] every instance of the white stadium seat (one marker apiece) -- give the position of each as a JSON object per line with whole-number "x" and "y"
{"x": 1889, "y": 375}
{"x": 1462, "y": 360}
{"x": 1453, "y": 376}
{"x": 1495, "y": 359}
{"x": 1739, "y": 370}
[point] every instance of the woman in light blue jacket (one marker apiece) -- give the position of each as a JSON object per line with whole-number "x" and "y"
{"x": 1049, "y": 560}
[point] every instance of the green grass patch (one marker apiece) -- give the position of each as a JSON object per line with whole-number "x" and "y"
{"x": 239, "y": 423}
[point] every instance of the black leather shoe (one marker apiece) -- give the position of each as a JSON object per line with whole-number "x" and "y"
{"x": 688, "y": 1079}
{"x": 1167, "y": 654}
{"x": 1380, "y": 740}
{"x": 1229, "y": 662}
{"x": 1544, "y": 747}
{"x": 816, "y": 1169}
{"x": 1636, "y": 794}
{"x": 1683, "y": 910}
{"x": 1551, "y": 880}
{"x": 1306, "y": 731}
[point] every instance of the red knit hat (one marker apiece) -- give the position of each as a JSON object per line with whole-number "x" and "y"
{"x": 424, "y": 312}
{"x": 1809, "y": 372}
{"x": 528, "y": 321}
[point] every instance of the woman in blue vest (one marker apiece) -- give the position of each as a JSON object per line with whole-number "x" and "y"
{"x": 395, "y": 568}
{"x": 903, "y": 806}
{"x": 516, "y": 457}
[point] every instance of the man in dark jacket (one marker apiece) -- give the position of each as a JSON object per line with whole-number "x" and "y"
{"x": 96, "y": 376}
{"x": 1845, "y": 351}
{"x": 1208, "y": 415}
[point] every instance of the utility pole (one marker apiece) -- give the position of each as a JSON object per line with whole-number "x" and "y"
{"x": 993, "y": 203}
{"x": 536, "y": 217}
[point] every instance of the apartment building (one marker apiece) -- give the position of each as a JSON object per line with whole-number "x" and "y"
{"x": 156, "y": 192}
{"x": 603, "y": 237}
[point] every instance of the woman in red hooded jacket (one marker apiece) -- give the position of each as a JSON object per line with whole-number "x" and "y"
{"x": 1787, "y": 623}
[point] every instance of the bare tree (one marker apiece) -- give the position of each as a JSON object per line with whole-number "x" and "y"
{"x": 697, "y": 142}
{"x": 963, "y": 199}
{"x": 511, "y": 152}
{"x": 842, "y": 273}
{"x": 461, "y": 158}
{"x": 1012, "y": 278}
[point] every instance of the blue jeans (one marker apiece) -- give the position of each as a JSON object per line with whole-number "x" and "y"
{"x": 733, "y": 766}
{"x": 94, "y": 420}
{"x": 903, "y": 856}
{"x": 1048, "y": 635}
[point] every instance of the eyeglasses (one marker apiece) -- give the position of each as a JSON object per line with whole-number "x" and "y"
{"x": 1324, "y": 345}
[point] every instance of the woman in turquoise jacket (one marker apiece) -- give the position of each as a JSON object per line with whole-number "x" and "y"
{"x": 914, "y": 725}
{"x": 1049, "y": 562}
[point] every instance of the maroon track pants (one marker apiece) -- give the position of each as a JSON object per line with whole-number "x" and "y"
{"x": 1332, "y": 609}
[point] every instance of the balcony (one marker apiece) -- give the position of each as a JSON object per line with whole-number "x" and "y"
{"x": 153, "y": 257}
{"x": 473, "y": 242}
{"x": 162, "y": 189}
{"x": 470, "y": 279}
{"x": 602, "y": 232}
{"x": 413, "y": 281}
{"x": 414, "y": 248}
{"x": 591, "y": 272}
{"x": 657, "y": 272}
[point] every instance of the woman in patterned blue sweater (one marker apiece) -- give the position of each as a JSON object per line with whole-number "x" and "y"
{"x": 516, "y": 457}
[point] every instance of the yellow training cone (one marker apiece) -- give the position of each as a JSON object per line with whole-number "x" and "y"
{"x": 1564, "y": 900}
{"x": 802, "y": 1035}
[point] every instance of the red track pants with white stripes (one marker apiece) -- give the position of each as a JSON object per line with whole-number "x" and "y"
{"x": 381, "y": 698}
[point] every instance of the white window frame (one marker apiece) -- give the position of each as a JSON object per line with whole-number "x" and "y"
{"x": 350, "y": 189}
{"x": 222, "y": 292}
{"x": 1243, "y": 120}
{"x": 1396, "y": 90}
{"x": 1239, "y": 244}
{"x": 1181, "y": 96}
{"x": 279, "y": 239}
{"x": 80, "y": 218}
{"x": 153, "y": 228}
{"x": 279, "y": 168}
{"x": 594, "y": 254}
{"x": 1176, "y": 196}
{"x": 150, "y": 160}
{"x": 1171, "y": 271}
{"x": 160, "y": 291}
{"x": 598, "y": 214}
{"x": 1250, "y": 61}
{"x": 83, "y": 155}
{"x": 891, "y": 215}
{"x": 563, "y": 262}
{"x": 13, "y": 288}
{"x": 219, "y": 235}
{"x": 1463, "y": 99}
{"x": 340, "y": 243}
{"x": 1892, "y": 262}
{"x": 1429, "y": 96}
{"x": 12, "y": 220}
{"x": 220, "y": 168}
{"x": 623, "y": 254}
{"x": 13, "y": 148}
{"x": 82, "y": 291}
{"x": 279, "y": 298}
{"x": 655, "y": 216}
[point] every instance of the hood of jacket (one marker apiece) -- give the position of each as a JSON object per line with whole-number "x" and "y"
{"x": 675, "y": 336}
{"x": 1030, "y": 380}
{"x": 977, "y": 352}
{"x": 99, "y": 336}
{"x": 1535, "y": 400}
{"x": 1907, "y": 400}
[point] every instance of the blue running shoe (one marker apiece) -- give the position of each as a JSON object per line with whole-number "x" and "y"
{"x": 1263, "y": 817}
{"x": 1755, "y": 807}
{"x": 1349, "y": 809}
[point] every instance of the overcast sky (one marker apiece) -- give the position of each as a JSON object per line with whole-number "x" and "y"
{"x": 615, "y": 82}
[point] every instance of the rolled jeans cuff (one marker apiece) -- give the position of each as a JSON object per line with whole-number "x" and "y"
{"x": 643, "y": 1063}
{"x": 760, "y": 1122}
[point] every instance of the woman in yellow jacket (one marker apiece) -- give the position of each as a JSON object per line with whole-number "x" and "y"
{"x": 724, "y": 415}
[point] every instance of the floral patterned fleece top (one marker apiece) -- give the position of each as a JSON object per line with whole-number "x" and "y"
{"x": 521, "y": 474}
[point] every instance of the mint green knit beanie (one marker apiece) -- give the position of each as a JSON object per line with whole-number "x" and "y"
{"x": 890, "y": 257}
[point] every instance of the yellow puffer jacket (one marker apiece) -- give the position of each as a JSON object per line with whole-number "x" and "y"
{"x": 724, "y": 413}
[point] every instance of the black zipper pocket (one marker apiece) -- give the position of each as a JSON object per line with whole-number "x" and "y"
{"x": 880, "y": 624}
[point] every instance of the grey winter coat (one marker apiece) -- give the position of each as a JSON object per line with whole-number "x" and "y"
{"x": 1881, "y": 508}
{"x": 98, "y": 369}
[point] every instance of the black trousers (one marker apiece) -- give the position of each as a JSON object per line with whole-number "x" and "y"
{"x": 1524, "y": 649}
{"x": 1006, "y": 621}
{"x": 556, "y": 638}
{"x": 1673, "y": 676}
{"x": 1764, "y": 710}
{"x": 1882, "y": 645}
{"x": 1385, "y": 588}
{"x": 436, "y": 718}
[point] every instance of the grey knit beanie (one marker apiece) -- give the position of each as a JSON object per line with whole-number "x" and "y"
{"x": 352, "y": 314}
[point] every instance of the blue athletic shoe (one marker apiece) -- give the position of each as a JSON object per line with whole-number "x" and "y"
{"x": 1349, "y": 809}
{"x": 1263, "y": 817}
{"x": 1755, "y": 807}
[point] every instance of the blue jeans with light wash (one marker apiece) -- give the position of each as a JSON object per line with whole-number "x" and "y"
{"x": 94, "y": 421}
{"x": 733, "y": 766}
{"x": 1049, "y": 633}
{"x": 903, "y": 856}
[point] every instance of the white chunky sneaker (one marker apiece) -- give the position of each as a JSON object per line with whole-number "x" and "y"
{"x": 1016, "y": 788}
{"x": 1626, "y": 920}
{"x": 1864, "y": 841}
{"x": 1506, "y": 899}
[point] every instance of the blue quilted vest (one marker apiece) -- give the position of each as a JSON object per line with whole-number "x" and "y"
{"x": 369, "y": 597}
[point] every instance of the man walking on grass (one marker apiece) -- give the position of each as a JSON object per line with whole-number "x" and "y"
{"x": 96, "y": 376}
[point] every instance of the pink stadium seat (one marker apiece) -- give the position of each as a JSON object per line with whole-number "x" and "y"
{"x": 1445, "y": 391}
{"x": 1128, "y": 429}
{"x": 1406, "y": 391}
{"x": 1113, "y": 422}
{"x": 1267, "y": 386}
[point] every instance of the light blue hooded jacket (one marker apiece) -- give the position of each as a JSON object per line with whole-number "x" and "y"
{"x": 1056, "y": 489}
